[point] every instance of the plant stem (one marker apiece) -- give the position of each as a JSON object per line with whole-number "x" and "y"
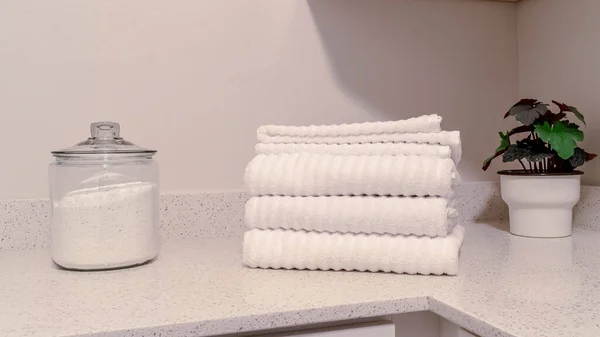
{"x": 544, "y": 167}
{"x": 550, "y": 160}
{"x": 560, "y": 166}
{"x": 522, "y": 165}
{"x": 542, "y": 170}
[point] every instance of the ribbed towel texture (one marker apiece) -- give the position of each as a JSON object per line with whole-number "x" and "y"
{"x": 427, "y": 123}
{"x": 306, "y": 174}
{"x": 278, "y": 248}
{"x": 393, "y": 149}
{"x": 346, "y": 214}
{"x": 366, "y": 196}
{"x": 448, "y": 138}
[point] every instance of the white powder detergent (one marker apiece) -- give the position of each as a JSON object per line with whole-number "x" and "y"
{"x": 108, "y": 226}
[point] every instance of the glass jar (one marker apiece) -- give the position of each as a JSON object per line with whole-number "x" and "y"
{"x": 104, "y": 202}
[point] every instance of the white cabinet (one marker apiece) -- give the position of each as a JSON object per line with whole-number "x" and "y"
{"x": 413, "y": 324}
{"x": 449, "y": 329}
{"x": 371, "y": 329}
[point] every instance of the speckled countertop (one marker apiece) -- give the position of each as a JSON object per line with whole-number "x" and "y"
{"x": 507, "y": 286}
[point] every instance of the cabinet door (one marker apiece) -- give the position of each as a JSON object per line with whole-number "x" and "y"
{"x": 449, "y": 329}
{"x": 371, "y": 329}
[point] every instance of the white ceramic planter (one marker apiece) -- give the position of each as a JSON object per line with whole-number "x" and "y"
{"x": 540, "y": 205}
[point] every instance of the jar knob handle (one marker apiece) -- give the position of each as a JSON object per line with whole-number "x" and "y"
{"x": 105, "y": 130}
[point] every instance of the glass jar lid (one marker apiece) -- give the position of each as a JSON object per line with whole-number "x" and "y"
{"x": 105, "y": 140}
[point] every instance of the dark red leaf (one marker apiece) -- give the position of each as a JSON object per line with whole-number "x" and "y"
{"x": 485, "y": 167}
{"x": 558, "y": 116}
{"x": 521, "y": 129}
{"x": 526, "y": 101}
{"x": 562, "y": 106}
{"x": 551, "y": 117}
{"x": 590, "y": 156}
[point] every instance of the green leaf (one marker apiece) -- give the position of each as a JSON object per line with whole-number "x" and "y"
{"x": 517, "y": 109}
{"x": 527, "y": 114}
{"x": 537, "y": 150}
{"x": 578, "y": 158}
{"x": 538, "y": 156}
{"x": 542, "y": 108}
{"x": 504, "y": 143}
{"x": 562, "y": 137}
{"x": 577, "y": 114}
{"x": 518, "y": 152}
{"x": 514, "y": 152}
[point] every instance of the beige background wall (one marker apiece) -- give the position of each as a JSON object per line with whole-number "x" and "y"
{"x": 560, "y": 60}
{"x": 194, "y": 79}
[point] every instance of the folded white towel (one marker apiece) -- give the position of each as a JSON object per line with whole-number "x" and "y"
{"x": 289, "y": 249}
{"x": 426, "y": 123}
{"x": 435, "y": 150}
{"x": 305, "y": 174}
{"x": 449, "y": 138}
{"x": 391, "y": 215}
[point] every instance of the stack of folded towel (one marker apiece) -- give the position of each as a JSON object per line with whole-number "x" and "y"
{"x": 366, "y": 196}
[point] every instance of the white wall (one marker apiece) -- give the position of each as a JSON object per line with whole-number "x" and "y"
{"x": 194, "y": 79}
{"x": 559, "y": 58}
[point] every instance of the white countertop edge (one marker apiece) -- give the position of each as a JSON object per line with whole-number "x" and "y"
{"x": 507, "y": 286}
{"x": 315, "y": 316}
{"x": 278, "y": 320}
{"x": 472, "y": 323}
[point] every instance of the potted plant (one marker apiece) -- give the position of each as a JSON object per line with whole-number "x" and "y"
{"x": 541, "y": 195}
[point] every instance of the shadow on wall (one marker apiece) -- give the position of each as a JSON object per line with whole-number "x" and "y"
{"x": 400, "y": 59}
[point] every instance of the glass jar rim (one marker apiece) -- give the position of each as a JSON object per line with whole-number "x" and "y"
{"x": 105, "y": 139}
{"x": 99, "y": 157}
{"x": 120, "y": 153}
